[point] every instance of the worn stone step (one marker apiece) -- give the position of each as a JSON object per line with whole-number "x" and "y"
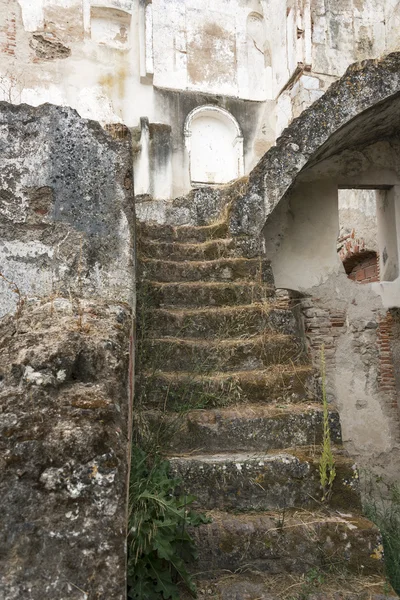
{"x": 245, "y": 428}
{"x": 201, "y": 294}
{"x": 183, "y": 390}
{"x": 234, "y": 354}
{"x": 227, "y": 321}
{"x": 288, "y": 541}
{"x": 319, "y": 583}
{"x": 245, "y": 482}
{"x": 209, "y": 250}
{"x": 184, "y": 233}
{"x": 222, "y": 269}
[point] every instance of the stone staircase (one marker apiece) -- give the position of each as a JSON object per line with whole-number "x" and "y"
{"x": 223, "y": 374}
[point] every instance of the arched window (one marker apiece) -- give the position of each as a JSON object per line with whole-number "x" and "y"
{"x": 215, "y": 145}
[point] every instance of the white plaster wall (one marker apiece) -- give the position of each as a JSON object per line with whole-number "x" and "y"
{"x": 301, "y": 237}
{"x": 387, "y": 235}
{"x": 101, "y": 77}
{"x": 208, "y": 47}
{"x": 192, "y": 46}
{"x": 357, "y": 212}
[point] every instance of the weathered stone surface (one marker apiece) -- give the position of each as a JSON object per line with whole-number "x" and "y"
{"x": 187, "y": 234}
{"x": 182, "y": 390}
{"x": 245, "y": 428}
{"x": 315, "y": 585}
{"x": 245, "y": 247}
{"x": 290, "y": 542}
{"x": 231, "y": 321}
{"x": 223, "y": 269}
{"x": 194, "y": 293}
{"x": 47, "y": 47}
{"x": 64, "y": 450}
{"x": 234, "y": 354}
{"x": 66, "y": 206}
{"x": 262, "y": 482}
{"x": 67, "y": 232}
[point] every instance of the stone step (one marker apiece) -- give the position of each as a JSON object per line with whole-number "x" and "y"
{"x": 318, "y": 583}
{"x": 286, "y": 542}
{"x": 222, "y": 269}
{"x": 182, "y": 234}
{"x": 228, "y": 321}
{"x": 201, "y": 294}
{"x": 263, "y": 482}
{"x": 182, "y": 390}
{"x": 209, "y": 250}
{"x": 204, "y": 356}
{"x": 245, "y": 428}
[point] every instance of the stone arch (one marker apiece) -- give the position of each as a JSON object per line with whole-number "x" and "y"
{"x": 362, "y": 266}
{"x": 361, "y": 106}
{"x": 214, "y": 142}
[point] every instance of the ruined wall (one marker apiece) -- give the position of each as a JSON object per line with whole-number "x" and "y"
{"x": 67, "y": 233}
{"x": 267, "y": 59}
{"x": 348, "y": 318}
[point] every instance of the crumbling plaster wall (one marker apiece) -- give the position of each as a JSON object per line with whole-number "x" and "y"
{"x": 301, "y": 240}
{"x": 50, "y": 55}
{"x": 98, "y": 56}
{"x": 67, "y": 235}
{"x": 358, "y": 216}
{"x": 342, "y": 32}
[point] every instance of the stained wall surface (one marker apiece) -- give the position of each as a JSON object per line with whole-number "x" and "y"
{"x": 67, "y": 234}
{"x": 118, "y": 61}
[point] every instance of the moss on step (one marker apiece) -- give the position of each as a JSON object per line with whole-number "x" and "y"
{"x": 243, "y": 428}
{"x": 183, "y": 390}
{"x": 289, "y": 542}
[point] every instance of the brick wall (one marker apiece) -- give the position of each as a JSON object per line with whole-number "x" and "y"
{"x": 8, "y": 32}
{"x": 365, "y": 270}
{"x": 372, "y": 341}
{"x": 386, "y": 378}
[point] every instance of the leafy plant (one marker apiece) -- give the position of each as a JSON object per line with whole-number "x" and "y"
{"x": 327, "y": 471}
{"x": 382, "y": 506}
{"x": 159, "y": 543}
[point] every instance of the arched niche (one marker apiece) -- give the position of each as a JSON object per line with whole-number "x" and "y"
{"x": 110, "y": 26}
{"x": 214, "y": 143}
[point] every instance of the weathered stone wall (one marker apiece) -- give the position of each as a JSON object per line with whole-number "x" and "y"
{"x": 66, "y": 207}
{"x": 67, "y": 234}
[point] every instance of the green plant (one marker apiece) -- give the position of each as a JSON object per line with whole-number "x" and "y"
{"x": 159, "y": 543}
{"x": 313, "y": 580}
{"x": 327, "y": 471}
{"x": 382, "y": 506}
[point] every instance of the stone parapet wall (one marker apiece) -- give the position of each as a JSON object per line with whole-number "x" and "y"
{"x": 64, "y": 450}
{"x": 67, "y": 284}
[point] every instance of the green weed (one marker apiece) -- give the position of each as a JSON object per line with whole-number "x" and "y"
{"x": 382, "y": 507}
{"x": 159, "y": 543}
